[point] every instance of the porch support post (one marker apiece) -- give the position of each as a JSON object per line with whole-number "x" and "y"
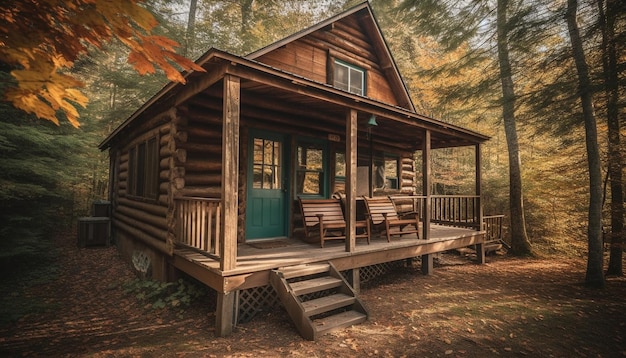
{"x": 225, "y": 315}
{"x": 427, "y": 260}
{"x": 354, "y": 278}
{"x": 480, "y": 248}
{"x": 230, "y": 170}
{"x": 225, "y": 311}
{"x": 351, "y": 145}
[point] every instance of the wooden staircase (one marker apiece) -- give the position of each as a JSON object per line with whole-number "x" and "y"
{"x": 317, "y": 298}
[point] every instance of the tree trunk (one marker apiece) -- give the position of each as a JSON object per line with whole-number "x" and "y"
{"x": 519, "y": 239}
{"x": 246, "y": 25}
{"x": 606, "y": 21}
{"x": 594, "y": 276}
{"x": 190, "y": 34}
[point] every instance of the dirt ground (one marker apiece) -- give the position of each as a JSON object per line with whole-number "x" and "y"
{"x": 507, "y": 307}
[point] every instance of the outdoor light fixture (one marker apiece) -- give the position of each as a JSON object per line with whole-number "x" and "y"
{"x": 372, "y": 121}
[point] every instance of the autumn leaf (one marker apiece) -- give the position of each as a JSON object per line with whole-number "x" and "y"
{"x": 40, "y": 40}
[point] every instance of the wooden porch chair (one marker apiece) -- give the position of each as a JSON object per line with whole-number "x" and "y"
{"x": 323, "y": 219}
{"x": 384, "y": 216}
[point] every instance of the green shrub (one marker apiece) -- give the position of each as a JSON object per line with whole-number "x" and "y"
{"x": 177, "y": 295}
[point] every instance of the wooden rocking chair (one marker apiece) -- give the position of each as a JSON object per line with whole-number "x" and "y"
{"x": 384, "y": 216}
{"x": 323, "y": 220}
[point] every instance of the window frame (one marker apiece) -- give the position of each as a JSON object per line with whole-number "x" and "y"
{"x": 322, "y": 173}
{"x": 350, "y": 67}
{"x": 276, "y": 166}
{"x": 143, "y": 169}
{"x": 384, "y": 158}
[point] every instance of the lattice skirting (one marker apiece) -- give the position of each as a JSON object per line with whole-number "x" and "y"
{"x": 369, "y": 273}
{"x": 252, "y": 301}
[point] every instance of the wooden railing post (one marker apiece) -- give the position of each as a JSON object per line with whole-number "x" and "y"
{"x": 230, "y": 170}
{"x": 351, "y": 148}
{"x": 427, "y": 260}
{"x": 480, "y": 248}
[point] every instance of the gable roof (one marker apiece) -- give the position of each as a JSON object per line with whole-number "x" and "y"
{"x": 218, "y": 63}
{"x": 365, "y": 16}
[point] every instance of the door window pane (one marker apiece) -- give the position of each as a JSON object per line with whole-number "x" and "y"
{"x": 267, "y": 164}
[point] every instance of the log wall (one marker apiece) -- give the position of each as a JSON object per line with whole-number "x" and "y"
{"x": 143, "y": 218}
{"x": 309, "y": 57}
{"x": 203, "y": 166}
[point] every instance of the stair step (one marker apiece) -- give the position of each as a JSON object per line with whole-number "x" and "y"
{"x": 327, "y": 303}
{"x": 315, "y": 285}
{"x": 303, "y": 270}
{"x": 341, "y": 320}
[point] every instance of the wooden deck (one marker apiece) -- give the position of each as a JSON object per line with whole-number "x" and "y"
{"x": 256, "y": 260}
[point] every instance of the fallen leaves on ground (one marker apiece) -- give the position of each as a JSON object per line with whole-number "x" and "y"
{"x": 528, "y": 307}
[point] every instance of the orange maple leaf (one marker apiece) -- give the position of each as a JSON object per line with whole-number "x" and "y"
{"x": 50, "y": 35}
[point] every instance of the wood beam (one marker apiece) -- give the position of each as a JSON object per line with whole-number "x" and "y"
{"x": 401, "y": 253}
{"x": 224, "y": 315}
{"x": 427, "y": 259}
{"x": 480, "y": 248}
{"x": 194, "y": 87}
{"x": 255, "y": 107}
{"x": 225, "y": 310}
{"x": 230, "y": 170}
{"x": 351, "y": 145}
{"x": 426, "y": 184}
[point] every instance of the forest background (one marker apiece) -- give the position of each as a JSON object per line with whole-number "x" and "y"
{"x": 50, "y": 174}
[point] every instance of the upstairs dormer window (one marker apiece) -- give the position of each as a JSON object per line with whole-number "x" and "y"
{"x": 349, "y": 78}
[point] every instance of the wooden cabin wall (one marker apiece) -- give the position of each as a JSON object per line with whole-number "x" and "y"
{"x": 309, "y": 57}
{"x": 140, "y": 223}
{"x": 203, "y": 165}
{"x": 407, "y": 174}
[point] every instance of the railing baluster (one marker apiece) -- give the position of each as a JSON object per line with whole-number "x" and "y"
{"x": 198, "y": 223}
{"x": 455, "y": 210}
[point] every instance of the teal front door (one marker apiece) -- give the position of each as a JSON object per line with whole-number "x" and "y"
{"x": 266, "y": 214}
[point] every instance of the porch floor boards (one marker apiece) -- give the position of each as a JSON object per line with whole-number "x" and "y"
{"x": 251, "y": 259}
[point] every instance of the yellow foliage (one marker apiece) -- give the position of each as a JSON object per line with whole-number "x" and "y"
{"x": 40, "y": 39}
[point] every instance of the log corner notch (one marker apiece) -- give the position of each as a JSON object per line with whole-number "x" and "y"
{"x": 176, "y": 180}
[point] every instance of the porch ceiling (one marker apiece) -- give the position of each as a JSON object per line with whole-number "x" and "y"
{"x": 270, "y": 96}
{"x": 296, "y": 105}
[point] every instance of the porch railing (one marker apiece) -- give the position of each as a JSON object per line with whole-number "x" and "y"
{"x": 409, "y": 203}
{"x": 456, "y": 210}
{"x": 452, "y": 210}
{"x": 494, "y": 228}
{"x": 199, "y": 224}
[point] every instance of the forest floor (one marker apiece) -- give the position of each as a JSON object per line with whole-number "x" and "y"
{"x": 507, "y": 307}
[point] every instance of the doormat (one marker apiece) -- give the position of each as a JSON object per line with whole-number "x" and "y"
{"x": 269, "y": 244}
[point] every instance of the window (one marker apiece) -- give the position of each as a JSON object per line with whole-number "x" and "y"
{"x": 349, "y": 78}
{"x": 310, "y": 169}
{"x": 340, "y": 172}
{"x": 385, "y": 173}
{"x": 143, "y": 169}
{"x": 266, "y": 167}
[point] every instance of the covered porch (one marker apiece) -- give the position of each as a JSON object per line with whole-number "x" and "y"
{"x": 452, "y": 222}
{"x": 208, "y": 224}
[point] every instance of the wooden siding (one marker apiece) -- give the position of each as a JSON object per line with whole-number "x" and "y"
{"x": 345, "y": 40}
{"x": 203, "y": 166}
{"x": 144, "y": 218}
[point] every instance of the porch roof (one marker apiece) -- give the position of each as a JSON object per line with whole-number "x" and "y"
{"x": 272, "y": 95}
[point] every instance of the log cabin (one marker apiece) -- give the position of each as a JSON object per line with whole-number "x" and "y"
{"x": 206, "y": 177}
